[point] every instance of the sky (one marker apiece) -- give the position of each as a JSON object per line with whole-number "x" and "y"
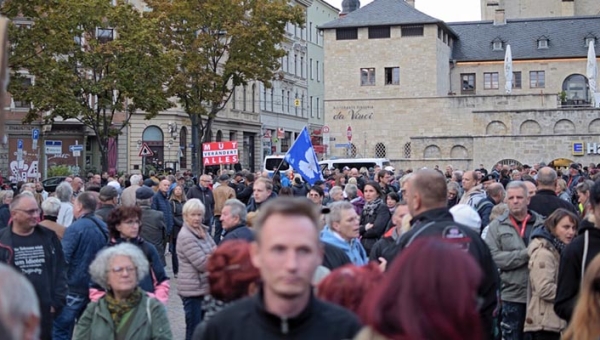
{"x": 446, "y": 10}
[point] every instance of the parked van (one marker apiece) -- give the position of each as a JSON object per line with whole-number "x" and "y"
{"x": 354, "y": 163}
{"x": 271, "y": 163}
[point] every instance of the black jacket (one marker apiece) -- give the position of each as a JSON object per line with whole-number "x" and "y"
{"x": 438, "y": 223}
{"x": 569, "y": 272}
{"x": 50, "y": 294}
{"x": 319, "y": 320}
{"x": 205, "y": 195}
{"x": 484, "y": 210}
{"x": 334, "y": 257}
{"x": 244, "y": 192}
{"x": 545, "y": 202}
{"x": 4, "y": 215}
{"x": 104, "y": 211}
{"x": 240, "y": 232}
{"x": 253, "y": 206}
{"x": 380, "y": 219}
{"x": 299, "y": 189}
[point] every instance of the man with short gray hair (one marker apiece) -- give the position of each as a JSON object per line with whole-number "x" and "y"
{"x": 342, "y": 231}
{"x": 128, "y": 195}
{"x": 19, "y": 306}
{"x": 545, "y": 202}
{"x": 233, "y": 221}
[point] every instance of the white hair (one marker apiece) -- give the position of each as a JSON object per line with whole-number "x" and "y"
{"x": 64, "y": 192}
{"x": 99, "y": 267}
{"x": 18, "y": 301}
{"x": 193, "y": 205}
{"x": 51, "y": 206}
{"x": 135, "y": 179}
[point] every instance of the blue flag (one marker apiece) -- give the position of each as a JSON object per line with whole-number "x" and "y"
{"x": 303, "y": 159}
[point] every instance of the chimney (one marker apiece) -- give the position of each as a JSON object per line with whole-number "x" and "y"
{"x": 411, "y": 2}
{"x": 499, "y": 17}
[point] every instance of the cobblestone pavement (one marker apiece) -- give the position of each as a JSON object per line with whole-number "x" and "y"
{"x": 175, "y": 306}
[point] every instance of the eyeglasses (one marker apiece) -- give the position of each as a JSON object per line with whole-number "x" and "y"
{"x": 120, "y": 270}
{"x": 29, "y": 212}
{"x": 131, "y": 222}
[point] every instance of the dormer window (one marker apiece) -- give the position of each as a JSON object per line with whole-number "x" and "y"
{"x": 542, "y": 43}
{"x": 589, "y": 39}
{"x": 497, "y": 45}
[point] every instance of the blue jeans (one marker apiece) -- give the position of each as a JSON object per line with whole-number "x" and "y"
{"x": 192, "y": 306}
{"x": 65, "y": 321}
{"x": 513, "y": 320}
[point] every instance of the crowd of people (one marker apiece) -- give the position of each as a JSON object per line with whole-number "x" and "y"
{"x": 362, "y": 254}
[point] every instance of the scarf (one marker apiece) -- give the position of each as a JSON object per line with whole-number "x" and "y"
{"x": 558, "y": 244}
{"x": 370, "y": 207}
{"x": 118, "y": 309}
{"x": 51, "y": 218}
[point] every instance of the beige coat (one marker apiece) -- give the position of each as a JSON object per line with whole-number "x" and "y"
{"x": 58, "y": 229}
{"x": 367, "y": 333}
{"x": 193, "y": 252}
{"x": 544, "y": 260}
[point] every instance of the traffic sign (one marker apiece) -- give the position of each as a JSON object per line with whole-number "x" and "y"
{"x": 145, "y": 151}
{"x": 35, "y": 134}
{"x": 349, "y": 133}
{"x": 19, "y": 144}
{"x": 76, "y": 147}
{"x": 325, "y": 129}
{"x": 53, "y": 147}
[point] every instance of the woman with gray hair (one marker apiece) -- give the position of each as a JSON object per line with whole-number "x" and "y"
{"x": 64, "y": 192}
{"x": 50, "y": 210}
{"x": 351, "y": 193}
{"x": 6, "y": 197}
{"x": 125, "y": 312}
{"x": 194, "y": 247}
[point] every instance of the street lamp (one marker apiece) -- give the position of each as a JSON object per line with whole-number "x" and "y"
{"x": 173, "y": 130}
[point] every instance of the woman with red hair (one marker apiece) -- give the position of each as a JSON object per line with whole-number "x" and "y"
{"x": 429, "y": 292}
{"x": 231, "y": 276}
{"x": 348, "y": 285}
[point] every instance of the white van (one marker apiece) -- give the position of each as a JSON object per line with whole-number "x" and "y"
{"x": 354, "y": 163}
{"x": 271, "y": 163}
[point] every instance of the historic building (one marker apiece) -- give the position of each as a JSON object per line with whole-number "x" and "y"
{"x": 523, "y": 9}
{"x": 409, "y": 87}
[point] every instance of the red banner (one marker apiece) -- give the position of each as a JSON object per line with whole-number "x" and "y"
{"x": 218, "y": 153}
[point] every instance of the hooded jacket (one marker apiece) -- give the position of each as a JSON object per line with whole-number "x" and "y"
{"x": 473, "y": 196}
{"x": 544, "y": 260}
{"x": 353, "y": 249}
{"x": 161, "y": 202}
{"x": 253, "y": 206}
{"x": 572, "y": 268}
{"x": 318, "y": 321}
{"x": 509, "y": 251}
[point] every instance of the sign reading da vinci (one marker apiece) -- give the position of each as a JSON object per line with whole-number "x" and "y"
{"x": 353, "y": 112}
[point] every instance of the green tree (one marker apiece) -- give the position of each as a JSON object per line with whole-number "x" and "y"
{"x": 91, "y": 61}
{"x": 220, "y": 45}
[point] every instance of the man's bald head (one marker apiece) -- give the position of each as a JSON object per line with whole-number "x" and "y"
{"x": 431, "y": 187}
{"x": 470, "y": 179}
{"x": 496, "y": 191}
{"x": 546, "y": 178}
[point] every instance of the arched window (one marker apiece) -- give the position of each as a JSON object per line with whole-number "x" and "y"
{"x": 152, "y": 134}
{"x": 576, "y": 89}
{"x": 380, "y": 151}
{"x": 219, "y": 137}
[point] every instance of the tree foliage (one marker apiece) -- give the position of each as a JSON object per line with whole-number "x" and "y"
{"x": 220, "y": 45}
{"x": 79, "y": 72}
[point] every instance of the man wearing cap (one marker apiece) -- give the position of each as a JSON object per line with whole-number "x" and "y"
{"x": 152, "y": 225}
{"x": 108, "y": 200}
{"x": 82, "y": 240}
{"x": 128, "y": 195}
{"x": 487, "y": 180}
{"x": 221, "y": 194}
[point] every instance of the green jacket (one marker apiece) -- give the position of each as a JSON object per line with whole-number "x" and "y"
{"x": 509, "y": 251}
{"x": 149, "y": 322}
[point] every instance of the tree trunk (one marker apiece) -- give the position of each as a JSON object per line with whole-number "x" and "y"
{"x": 103, "y": 143}
{"x": 196, "y": 145}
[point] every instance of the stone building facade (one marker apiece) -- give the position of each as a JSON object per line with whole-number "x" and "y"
{"x": 422, "y": 92}
{"x": 520, "y": 9}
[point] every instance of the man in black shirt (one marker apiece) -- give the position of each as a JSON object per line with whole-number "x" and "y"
{"x": 545, "y": 202}
{"x": 287, "y": 252}
{"x": 38, "y": 254}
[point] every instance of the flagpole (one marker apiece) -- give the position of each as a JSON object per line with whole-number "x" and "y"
{"x": 288, "y": 150}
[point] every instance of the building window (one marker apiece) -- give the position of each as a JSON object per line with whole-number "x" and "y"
{"x": 516, "y": 84}
{"x": 490, "y": 80}
{"x": 272, "y": 101}
{"x": 367, "y": 76}
{"x": 310, "y": 108}
{"x": 537, "y": 79}
{"x": 317, "y": 36}
{"x": 344, "y": 34}
{"x": 104, "y": 35}
{"x": 22, "y": 103}
{"x": 468, "y": 83}
{"x": 288, "y": 101}
{"x": 295, "y": 64}
{"x": 296, "y": 101}
{"x": 407, "y": 150}
{"x": 285, "y": 63}
{"x": 412, "y": 31}
{"x": 379, "y": 32}
{"x": 317, "y": 70}
{"x": 233, "y": 103}
{"x": 264, "y": 98}
{"x": 542, "y": 44}
{"x": 310, "y": 31}
{"x": 302, "y": 105}
{"x": 282, "y": 101}
{"x": 497, "y": 45}
{"x": 253, "y": 97}
{"x": 310, "y": 69}
{"x": 302, "y": 67}
{"x": 392, "y": 76}
{"x": 380, "y": 151}
{"x": 318, "y": 108}
{"x": 244, "y": 98}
